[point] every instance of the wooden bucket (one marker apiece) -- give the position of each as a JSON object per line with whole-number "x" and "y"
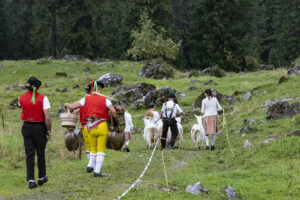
{"x": 68, "y": 119}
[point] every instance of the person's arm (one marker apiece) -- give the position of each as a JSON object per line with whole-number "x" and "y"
{"x": 202, "y": 107}
{"x": 219, "y": 108}
{"x": 113, "y": 111}
{"x": 73, "y": 106}
{"x": 179, "y": 110}
{"x": 48, "y": 122}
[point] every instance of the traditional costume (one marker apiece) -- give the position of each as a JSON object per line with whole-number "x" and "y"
{"x": 34, "y": 130}
{"x": 210, "y": 107}
{"x": 170, "y": 110}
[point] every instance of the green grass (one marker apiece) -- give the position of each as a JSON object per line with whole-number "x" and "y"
{"x": 264, "y": 171}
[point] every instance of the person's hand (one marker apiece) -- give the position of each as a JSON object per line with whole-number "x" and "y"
{"x": 48, "y": 135}
{"x": 66, "y": 105}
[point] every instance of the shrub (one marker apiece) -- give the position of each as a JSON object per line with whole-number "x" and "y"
{"x": 151, "y": 44}
{"x": 216, "y": 71}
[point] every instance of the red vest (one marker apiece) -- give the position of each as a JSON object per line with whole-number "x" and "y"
{"x": 32, "y": 112}
{"x": 95, "y": 107}
{"x": 82, "y": 112}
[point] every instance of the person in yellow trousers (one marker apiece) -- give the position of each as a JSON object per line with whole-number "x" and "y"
{"x": 83, "y": 124}
{"x": 96, "y": 113}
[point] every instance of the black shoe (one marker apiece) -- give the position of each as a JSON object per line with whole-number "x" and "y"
{"x": 212, "y": 148}
{"x": 207, "y": 148}
{"x": 32, "y": 185}
{"x": 89, "y": 169}
{"x": 97, "y": 174}
{"x": 44, "y": 180}
{"x": 170, "y": 147}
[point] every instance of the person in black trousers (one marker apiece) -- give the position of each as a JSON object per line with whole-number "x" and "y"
{"x": 169, "y": 112}
{"x": 36, "y": 129}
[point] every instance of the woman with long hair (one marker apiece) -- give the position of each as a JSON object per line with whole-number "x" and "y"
{"x": 210, "y": 107}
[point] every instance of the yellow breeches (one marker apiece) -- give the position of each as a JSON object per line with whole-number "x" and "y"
{"x": 98, "y": 138}
{"x": 86, "y": 139}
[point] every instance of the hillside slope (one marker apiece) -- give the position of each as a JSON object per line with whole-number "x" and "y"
{"x": 264, "y": 171}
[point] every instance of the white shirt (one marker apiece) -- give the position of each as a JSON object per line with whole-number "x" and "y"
{"x": 210, "y": 106}
{"x": 168, "y": 106}
{"x": 46, "y": 103}
{"x": 128, "y": 122}
{"x": 155, "y": 117}
{"x": 82, "y": 102}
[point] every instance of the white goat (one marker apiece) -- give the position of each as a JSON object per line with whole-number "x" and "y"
{"x": 197, "y": 132}
{"x": 150, "y": 133}
{"x": 179, "y": 138}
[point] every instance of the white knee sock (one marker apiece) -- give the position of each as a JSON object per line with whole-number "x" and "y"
{"x": 207, "y": 140}
{"x": 92, "y": 162}
{"x": 127, "y": 142}
{"x": 99, "y": 162}
{"x": 87, "y": 155}
{"x": 213, "y": 137}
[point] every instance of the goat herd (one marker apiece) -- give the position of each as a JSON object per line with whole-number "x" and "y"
{"x": 153, "y": 131}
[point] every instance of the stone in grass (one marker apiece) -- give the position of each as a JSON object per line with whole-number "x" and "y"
{"x": 47, "y": 85}
{"x": 86, "y": 69}
{"x": 210, "y": 82}
{"x": 76, "y": 87}
{"x": 196, "y": 189}
{"x": 61, "y": 74}
{"x": 230, "y": 192}
{"x": 281, "y": 109}
{"x": 1, "y": 66}
{"x": 194, "y": 81}
{"x": 295, "y": 133}
{"x": 247, "y": 96}
{"x": 247, "y": 144}
{"x": 111, "y": 79}
{"x": 193, "y": 88}
{"x": 73, "y": 76}
{"x": 268, "y": 140}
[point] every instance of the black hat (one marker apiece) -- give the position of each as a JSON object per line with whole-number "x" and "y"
{"x": 33, "y": 81}
{"x": 151, "y": 105}
{"x": 171, "y": 95}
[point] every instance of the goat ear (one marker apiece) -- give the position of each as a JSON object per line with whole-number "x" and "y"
{"x": 196, "y": 116}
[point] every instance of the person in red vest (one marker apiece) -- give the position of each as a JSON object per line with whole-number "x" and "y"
{"x": 36, "y": 129}
{"x": 96, "y": 113}
{"x": 83, "y": 123}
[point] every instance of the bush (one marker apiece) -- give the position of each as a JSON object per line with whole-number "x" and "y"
{"x": 194, "y": 73}
{"x": 150, "y": 44}
{"x": 216, "y": 71}
{"x": 250, "y": 63}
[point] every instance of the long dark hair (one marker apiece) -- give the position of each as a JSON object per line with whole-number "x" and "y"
{"x": 208, "y": 92}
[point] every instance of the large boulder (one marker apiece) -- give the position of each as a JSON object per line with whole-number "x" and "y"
{"x": 221, "y": 98}
{"x": 230, "y": 192}
{"x": 140, "y": 95}
{"x": 132, "y": 93}
{"x": 111, "y": 79}
{"x": 293, "y": 71}
{"x": 265, "y": 67}
{"x": 281, "y": 109}
{"x": 155, "y": 70}
{"x": 196, "y": 189}
{"x": 75, "y": 58}
{"x": 158, "y": 96}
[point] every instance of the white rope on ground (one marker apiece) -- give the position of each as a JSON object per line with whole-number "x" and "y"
{"x": 142, "y": 174}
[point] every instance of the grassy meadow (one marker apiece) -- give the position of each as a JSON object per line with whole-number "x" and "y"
{"x": 264, "y": 171}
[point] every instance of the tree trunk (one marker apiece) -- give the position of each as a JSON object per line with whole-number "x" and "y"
{"x": 53, "y": 40}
